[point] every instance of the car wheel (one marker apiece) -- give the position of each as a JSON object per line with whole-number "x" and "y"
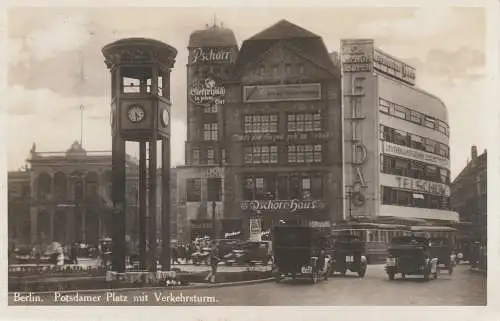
{"x": 403, "y": 275}
{"x": 391, "y": 275}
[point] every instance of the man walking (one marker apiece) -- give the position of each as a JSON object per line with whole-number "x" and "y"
{"x": 214, "y": 261}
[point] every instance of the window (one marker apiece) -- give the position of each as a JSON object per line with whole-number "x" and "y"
{"x": 417, "y": 142}
{"x": 304, "y": 153}
{"x": 430, "y": 146}
{"x": 388, "y": 134}
{"x": 136, "y": 80}
{"x": 162, "y": 85}
{"x": 444, "y": 175}
{"x": 419, "y": 200}
{"x": 404, "y": 198}
{"x": 417, "y": 170}
{"x": 193, "y": 189}
{"x": 223, "y": 156}
{"x": 196, "y": 156}
{"x": 316, "y": 187}
{"x": 431, "y": 172}
{"x": 304, "y": 122}
{"x": 214, "y": 189}
{"x": 358, "y": 85}
{"x": 306, "y": 188}
{"x": 434, "y": 202}
{"x": 401, "y": 137}
{"x": 384, "y": 106}
{"x": 443, "y": 128}
{"x": 416, "y": 117}
{"x": 261, "y": 124}
{"x": 259, "y": 188}
{"x": 248, "y": 188}
{"x": 401, "y": 167}
{"x": 400, "y": 112}
{"x": 210, "y": 131}
{"x": 443, "y": 150}
{"x": 430, "y": 122}
{"x": 318, "y": 154}
{"x": 261, "y": 154}
{"x": 282, "y": 187}
{"x": 295, "y": 190}
{"x": 210, "y": 109}
{"x": 210, "y": 156}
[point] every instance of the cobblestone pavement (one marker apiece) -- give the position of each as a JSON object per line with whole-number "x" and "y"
{"x": 462, "y": 288}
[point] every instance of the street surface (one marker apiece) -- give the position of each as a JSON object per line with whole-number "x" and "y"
{"x": 462, "y": 288}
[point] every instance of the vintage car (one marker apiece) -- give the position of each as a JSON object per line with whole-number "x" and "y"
{"x": 347, "y": 253}
{"x": 202, "y": 255}
{"x": 249, "y": 253}
{"x": 300, "y": 252}
{"x": 443, "y": 250}
{"x": 227, "y": 246}
{"x": 411, "y": 255}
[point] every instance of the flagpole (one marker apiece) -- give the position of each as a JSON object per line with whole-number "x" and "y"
{"x": 81, "y": 125}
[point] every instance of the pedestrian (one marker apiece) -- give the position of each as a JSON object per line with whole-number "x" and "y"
{"x": 74, "y": 253}
{"x": 175, "y": 255}
{"x": 214, "y": 261}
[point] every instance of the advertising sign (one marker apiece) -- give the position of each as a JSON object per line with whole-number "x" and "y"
{"x": 255, "y": 230}
{"x": 356, "y": 55}
{"x": 281, "y": 205}
{"x": 281, "y": 137}
{"x": 209, "y": 55}
{"x": 266, "y": 93}
{"x": 414, "y": 154}
{"x": 393, "y": 67}
{"x": 207, "y": 92}
{"x": 415, "y": 184}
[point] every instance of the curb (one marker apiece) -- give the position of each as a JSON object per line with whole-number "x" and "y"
{"x": 186, "y": 287}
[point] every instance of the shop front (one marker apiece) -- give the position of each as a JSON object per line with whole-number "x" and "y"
{"x": 260, "y": 216}
{"x": 201, "y": 229}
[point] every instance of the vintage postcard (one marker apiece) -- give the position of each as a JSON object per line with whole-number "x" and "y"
{"x": 327, "y": 156}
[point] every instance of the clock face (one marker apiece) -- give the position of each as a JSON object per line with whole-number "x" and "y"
{"x": 136, "y": 114}
{"x": 165, "y": 117}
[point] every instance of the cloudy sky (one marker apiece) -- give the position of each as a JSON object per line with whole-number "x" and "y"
{"x": 48, "y": 45}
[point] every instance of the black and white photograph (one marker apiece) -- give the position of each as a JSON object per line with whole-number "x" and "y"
{"x": 249, "y": 156}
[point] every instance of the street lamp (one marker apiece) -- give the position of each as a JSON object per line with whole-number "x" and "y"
{"x": 214, "y": 204}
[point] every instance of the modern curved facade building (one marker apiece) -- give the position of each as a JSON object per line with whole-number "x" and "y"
{"x": 396, "y": 140}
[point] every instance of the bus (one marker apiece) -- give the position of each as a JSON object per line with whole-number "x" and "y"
{"x": 377, "y": 236}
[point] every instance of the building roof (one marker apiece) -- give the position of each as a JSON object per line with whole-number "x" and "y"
{"x": 301, "y": 40}
{"x": 283, "y": 29}
{"x": 214, "y": 36}
{"x": 473, "y": 166}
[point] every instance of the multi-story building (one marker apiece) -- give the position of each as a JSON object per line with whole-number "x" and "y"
{"x": 66, "y": 197}
{"x": 469, "y": 195}
{"x": 396, "y": 135}
{"x": 283, "y": 133}
{"x": 212, "y": 54}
